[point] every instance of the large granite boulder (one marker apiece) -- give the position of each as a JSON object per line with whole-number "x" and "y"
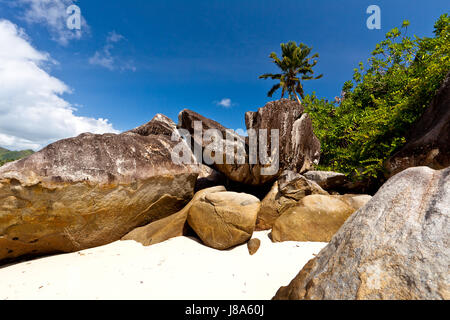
{"x": 172, "y": 226}
{"x": 428, "y": 141}
{"x": 91, "y": 190}
{"x": 395, "y": 247}
{"x": 315, "y": 218}
{"x": 238, "y": 169}
{"x": 298, "y": 147}
{"x": 224, "y": 219}
{"x": 286, "y": 192}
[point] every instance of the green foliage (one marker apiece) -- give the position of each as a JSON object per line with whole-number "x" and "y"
{"x": 384, "y": 99}
{"x": 295, "y": 66}
{"x": 8, "y": 156}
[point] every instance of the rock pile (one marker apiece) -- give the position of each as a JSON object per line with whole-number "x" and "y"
{"x": 91, "y": 190}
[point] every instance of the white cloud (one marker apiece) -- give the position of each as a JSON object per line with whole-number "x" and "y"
{"x": 242, "y": 132}
{"x": 225, "y": 102}
{"x": 32, "y": 111}
{"x": 52, "y": 13}
{"x": 105, "y": 58}
{"x": 114, "y": 37}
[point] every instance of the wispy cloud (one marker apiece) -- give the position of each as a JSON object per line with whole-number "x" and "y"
{"x": 225, "y": 103}
{"x": 33, "y": 112}
{"x": 106, "y": 59}
{"x": 52, "y": 14}
{"x": 114, "y": 37}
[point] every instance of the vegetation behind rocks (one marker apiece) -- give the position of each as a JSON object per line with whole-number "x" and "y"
{"x": 7, "y": 156}
{"x": 368, "y": 123}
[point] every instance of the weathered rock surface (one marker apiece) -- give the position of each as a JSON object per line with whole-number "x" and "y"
{"x": 315, "y": 218}
{"x": 236, "y": 170}
{"x": 286, "y": 192}
{"x": 253, "y": 245}
{"x": 328, "y": 180}
{"x": 160, "y": 230}
{"x": 224, "y": 219}
{"x": 298, "y": 147}
{"x": 172, "y": 226}
{"x": 209, "y": 178}
{"x": 91, "y": 190}
{"x": 428, "y": 141}
{"x": 396, "y": 247}
{"x": 356, "y": 201}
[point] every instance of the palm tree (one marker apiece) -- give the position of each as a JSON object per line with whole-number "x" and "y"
{"x": 295, "y": 67}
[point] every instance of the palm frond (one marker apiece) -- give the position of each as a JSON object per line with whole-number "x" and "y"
{"x": 296, "y": 65}
{"x": 273, "y": 90}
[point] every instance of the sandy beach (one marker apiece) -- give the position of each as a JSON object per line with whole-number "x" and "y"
{"x": 180, "y": 268}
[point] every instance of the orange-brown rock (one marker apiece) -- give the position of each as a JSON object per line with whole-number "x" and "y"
{"x": 286, "y": 192}
{"x": 314, "y": 218}
{"x": 253, "y": 245}
{"x": 224, "y": 219}
{"x": 356, "y": 201}
{"x": 172, "y": 226}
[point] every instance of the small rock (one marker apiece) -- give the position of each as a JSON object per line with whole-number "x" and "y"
{"x": 253, "y": 245}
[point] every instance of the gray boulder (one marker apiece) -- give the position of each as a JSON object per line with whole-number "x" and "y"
{"x": 328, "y": 180}
{"x": 91, "y": 190}
{"x": 395, "y": 247}
{"x": 299, "y": 147}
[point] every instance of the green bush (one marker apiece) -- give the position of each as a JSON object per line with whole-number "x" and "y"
{"x": 387, "y": 95}
{"x": 8, "y": 156}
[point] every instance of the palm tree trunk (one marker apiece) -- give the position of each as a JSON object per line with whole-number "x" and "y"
{"x": 298, "y": 99}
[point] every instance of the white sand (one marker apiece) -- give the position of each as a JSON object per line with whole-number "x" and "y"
{"x": 180, "y": 268}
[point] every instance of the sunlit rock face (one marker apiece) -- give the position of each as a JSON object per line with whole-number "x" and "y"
{"x": 297, "y": 148}
{"x": 286, "y": 192}
{"x": 170, "y": 227}
{"x": 224, "y": 219}
{"x": 395, "y": 247}
{"x": 91, "y": 190}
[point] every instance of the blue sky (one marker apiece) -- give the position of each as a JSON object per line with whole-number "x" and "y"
{"x": 163, "y": 56}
